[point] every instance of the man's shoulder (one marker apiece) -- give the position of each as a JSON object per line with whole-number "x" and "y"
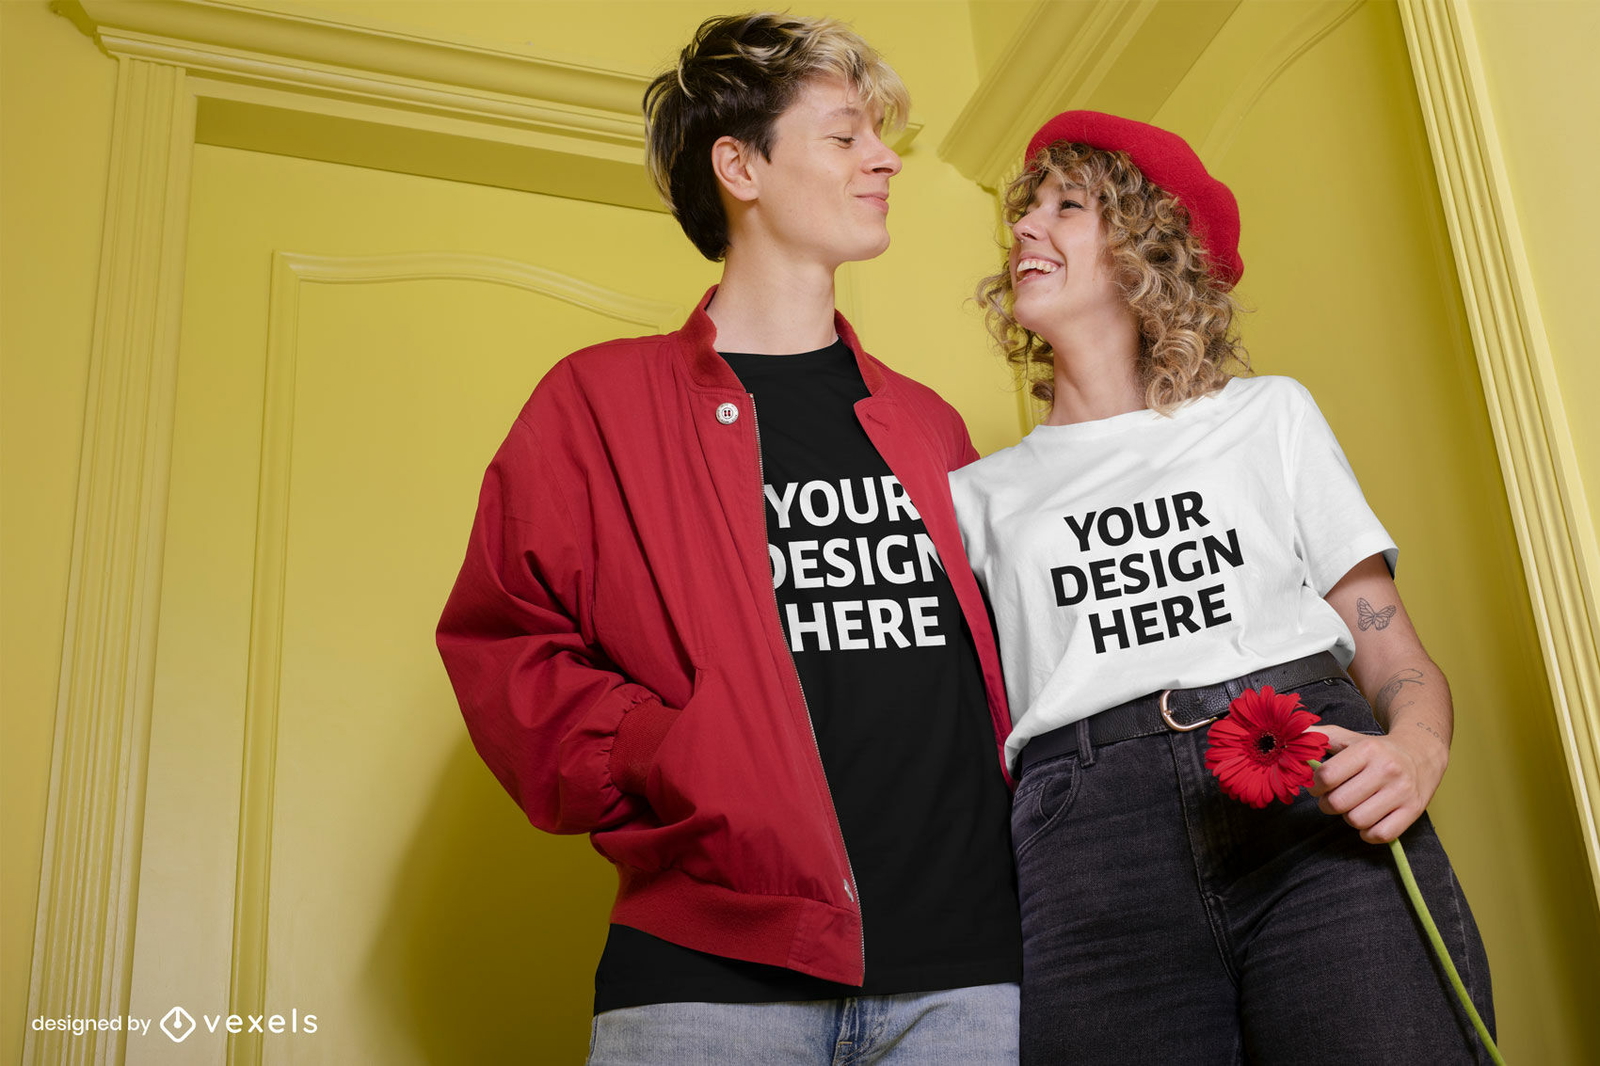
{"x": 607, "y": 368}
{"x": 610, "y": 357}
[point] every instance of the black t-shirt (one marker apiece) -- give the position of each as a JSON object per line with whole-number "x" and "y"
{"x": 896, "y": 698}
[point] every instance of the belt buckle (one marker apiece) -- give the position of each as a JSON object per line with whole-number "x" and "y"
{"x": 1178, "y": 727}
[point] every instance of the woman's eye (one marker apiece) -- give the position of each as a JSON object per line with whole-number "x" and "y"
{"x": 1070, "y": 203}
{"x": 846, "y": 141}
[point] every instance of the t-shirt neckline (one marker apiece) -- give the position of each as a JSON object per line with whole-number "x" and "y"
{"x": 832, "y": 348}
{"x": 1122, "y": 423}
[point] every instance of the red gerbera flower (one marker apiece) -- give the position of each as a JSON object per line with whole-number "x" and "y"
{"x": 1260, "y": 751}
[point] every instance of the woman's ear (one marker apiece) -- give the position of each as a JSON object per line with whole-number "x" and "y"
{"x": 730, "y": 162}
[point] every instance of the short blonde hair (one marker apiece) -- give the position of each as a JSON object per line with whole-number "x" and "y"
{"x": 734, "y": 79}
{"x": 1189, "y": 345}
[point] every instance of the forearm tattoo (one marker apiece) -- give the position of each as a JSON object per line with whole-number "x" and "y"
{"x": 1383, "y": 703}
{"x": 1368, "y": 618}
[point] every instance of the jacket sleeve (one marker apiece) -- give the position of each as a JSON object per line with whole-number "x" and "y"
{"x": 544, "y": 706}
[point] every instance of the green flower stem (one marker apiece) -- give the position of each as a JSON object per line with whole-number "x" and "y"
{"x": 1437, "y": 941}
{"x": 1421, "y": 907}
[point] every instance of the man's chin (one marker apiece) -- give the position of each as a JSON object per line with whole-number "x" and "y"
{"x": 869, "y": 250}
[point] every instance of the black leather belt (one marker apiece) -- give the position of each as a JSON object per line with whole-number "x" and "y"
{"x": 1176, "y": 710}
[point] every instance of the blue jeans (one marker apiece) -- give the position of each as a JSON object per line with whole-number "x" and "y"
{"x": 960, "y": 1027}
{"x": 1164, "y": 922}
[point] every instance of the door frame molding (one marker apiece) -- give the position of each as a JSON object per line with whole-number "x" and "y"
{"x": 1532, "y": 432}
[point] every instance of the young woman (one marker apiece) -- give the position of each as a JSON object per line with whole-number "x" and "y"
{"x": 1172, "y": 535}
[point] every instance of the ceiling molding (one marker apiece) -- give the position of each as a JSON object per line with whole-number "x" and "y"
{"x": 293, "y": 84}
{"x": 1255, "y": 78}
{"x": 242, "y": 35}
{"x": 1121, "y": 56}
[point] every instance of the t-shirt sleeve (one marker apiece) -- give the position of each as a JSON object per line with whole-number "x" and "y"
{"x": 1334, "y": 527}
{"x": 969, "y": 514}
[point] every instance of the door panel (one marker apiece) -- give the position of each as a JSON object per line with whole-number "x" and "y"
{"x": 318, "y": 830}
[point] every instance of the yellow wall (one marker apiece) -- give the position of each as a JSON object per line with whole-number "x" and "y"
{"x": 56, "y": 94}
{"x": 1544, "y": 87}
{"x": 994, "y": 23}
{"x": 1538, "y": 56}
{"x": 1398, "y": 378}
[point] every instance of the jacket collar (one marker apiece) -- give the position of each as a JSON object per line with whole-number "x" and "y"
{"x": 708, "y": 369}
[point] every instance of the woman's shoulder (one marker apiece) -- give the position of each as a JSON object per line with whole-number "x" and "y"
{"x": 1266, "y": 386}
{"x": 1268, "y": 392}
{"x": 982, "y": 477}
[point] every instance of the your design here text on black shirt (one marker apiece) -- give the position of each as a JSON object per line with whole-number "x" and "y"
{"x": 850, "y": 569}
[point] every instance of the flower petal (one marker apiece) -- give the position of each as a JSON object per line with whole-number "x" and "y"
{"x": 1259, "y": 751}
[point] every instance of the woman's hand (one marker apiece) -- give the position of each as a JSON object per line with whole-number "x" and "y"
{"x": 1380, "y": 785}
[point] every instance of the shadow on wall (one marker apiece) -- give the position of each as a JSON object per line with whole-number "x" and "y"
{"x": 493, "y": 932}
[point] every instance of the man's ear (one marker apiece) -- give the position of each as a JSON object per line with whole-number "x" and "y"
{"x": 730, "y": 162}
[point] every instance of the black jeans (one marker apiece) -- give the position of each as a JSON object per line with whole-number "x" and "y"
{"x": 1164, "y": 922}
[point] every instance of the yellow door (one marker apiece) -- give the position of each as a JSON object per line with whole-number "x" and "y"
{"x": 319, "y": 837}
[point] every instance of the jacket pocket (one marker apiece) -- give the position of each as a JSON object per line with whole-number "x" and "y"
{"x": 640, "y": 734}
{"x": 669, "y": 785}
{"x": 686, "y": 787}
{"x": 646, "y": 738}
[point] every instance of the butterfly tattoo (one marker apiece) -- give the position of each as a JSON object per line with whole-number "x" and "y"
{"x": 1367, "y": 618}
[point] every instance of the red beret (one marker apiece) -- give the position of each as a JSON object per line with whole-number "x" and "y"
{"x": 1169, "y": 163}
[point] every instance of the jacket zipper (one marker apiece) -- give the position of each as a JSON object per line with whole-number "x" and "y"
{"x": 851, "y": 888}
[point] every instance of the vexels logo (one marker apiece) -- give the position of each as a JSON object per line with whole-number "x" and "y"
{"x": 178, "y": 1024}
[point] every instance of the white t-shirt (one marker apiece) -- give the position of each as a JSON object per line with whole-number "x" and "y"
{"x": 1142, "y": 552}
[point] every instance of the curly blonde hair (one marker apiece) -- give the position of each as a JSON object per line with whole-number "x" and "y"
{"x": 1189, "y": 345}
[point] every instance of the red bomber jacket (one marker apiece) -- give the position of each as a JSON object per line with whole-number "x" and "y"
{"x": 615, "y": 644}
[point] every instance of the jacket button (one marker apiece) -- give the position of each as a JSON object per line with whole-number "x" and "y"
{"x": 728, "y": 414}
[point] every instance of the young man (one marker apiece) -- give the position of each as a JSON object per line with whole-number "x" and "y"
{"x": 747, "y": 655}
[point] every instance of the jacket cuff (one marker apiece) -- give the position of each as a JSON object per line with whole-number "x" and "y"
{"x": 639, "y": 736}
